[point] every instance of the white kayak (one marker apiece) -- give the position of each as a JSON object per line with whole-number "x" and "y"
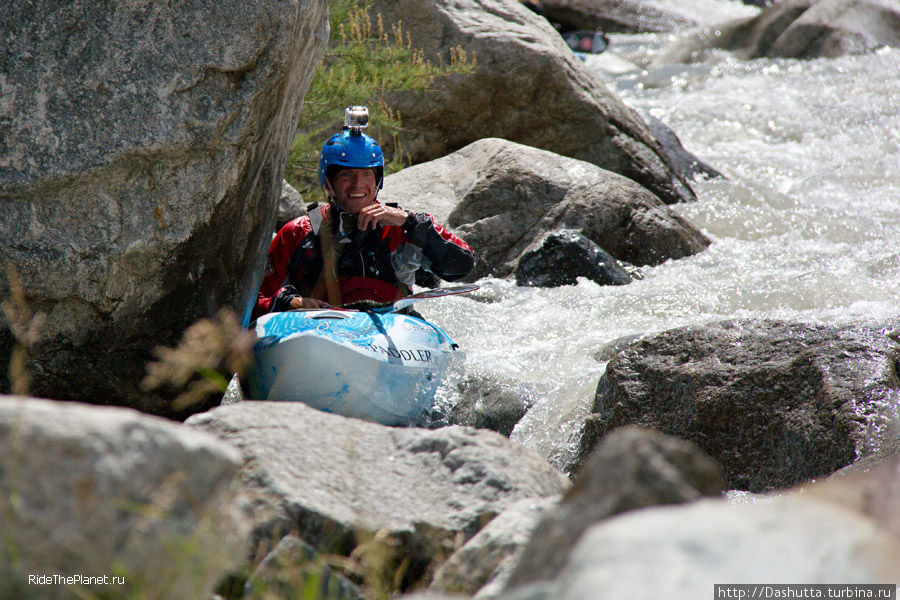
{"x": 379, "y": 366}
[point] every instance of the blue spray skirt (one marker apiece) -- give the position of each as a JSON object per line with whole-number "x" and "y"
{"x": 382, "y": 367}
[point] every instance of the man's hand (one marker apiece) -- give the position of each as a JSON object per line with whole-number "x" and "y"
{"x": 378, "y": 214}
{"x": 300, "y": 302}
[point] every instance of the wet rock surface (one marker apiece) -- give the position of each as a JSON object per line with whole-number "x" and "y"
{"x": 776, "y": 403}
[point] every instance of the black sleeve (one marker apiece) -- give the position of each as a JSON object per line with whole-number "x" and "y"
{"x": 451, "y": 258}
{"x": 282, "y": 301}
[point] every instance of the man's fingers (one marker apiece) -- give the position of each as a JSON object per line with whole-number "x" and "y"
{"x": 371, "y": 216}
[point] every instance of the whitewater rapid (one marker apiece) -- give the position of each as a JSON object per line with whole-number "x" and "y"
{"x": 805, "y": 224}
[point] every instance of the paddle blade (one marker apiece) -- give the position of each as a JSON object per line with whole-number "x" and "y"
{"x": 434, "y": 293}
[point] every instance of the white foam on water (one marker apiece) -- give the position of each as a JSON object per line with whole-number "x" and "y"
{"x": 806, "y": 225}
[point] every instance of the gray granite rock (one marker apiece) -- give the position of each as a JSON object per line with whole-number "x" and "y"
{"x": 97, "y": 491}
{"x": 143, "y": 152}
{"x": 336, "y": 482}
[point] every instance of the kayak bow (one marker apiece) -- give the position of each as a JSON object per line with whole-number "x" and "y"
{"x": 382, "y": 367}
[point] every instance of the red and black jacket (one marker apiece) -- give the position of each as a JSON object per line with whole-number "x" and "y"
{"x": 377, "y": 264}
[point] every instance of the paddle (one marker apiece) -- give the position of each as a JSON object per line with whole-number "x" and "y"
{"x": 433, "y": 293}
{"x": 411, "y": 299}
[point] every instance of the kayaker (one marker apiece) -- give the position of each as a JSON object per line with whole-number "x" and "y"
{"x": 353, "y": 247}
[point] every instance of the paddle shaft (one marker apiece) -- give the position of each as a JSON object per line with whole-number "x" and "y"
{"x": 432, "y": 293}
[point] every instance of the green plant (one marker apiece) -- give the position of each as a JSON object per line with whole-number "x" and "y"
{"x": 364, "y": 62}
{"x": 209, "y": 353}
{"x": 376, "y": 568}
{"x": 25, "y": 326}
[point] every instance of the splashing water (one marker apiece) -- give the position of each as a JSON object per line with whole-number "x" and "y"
{"x": 805, "y": 225}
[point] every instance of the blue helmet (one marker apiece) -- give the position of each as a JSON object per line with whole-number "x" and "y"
{"x": 352, "y": 148}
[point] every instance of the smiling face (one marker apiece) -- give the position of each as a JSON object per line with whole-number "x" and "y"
{"x": 354, "y": 189}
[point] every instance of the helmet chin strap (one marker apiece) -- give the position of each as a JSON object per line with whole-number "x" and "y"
{"x": 331, "y": 196}
{"x": 329, "y": 191}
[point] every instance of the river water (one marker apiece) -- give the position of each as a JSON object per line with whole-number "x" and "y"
{"x": 805, "y": 224}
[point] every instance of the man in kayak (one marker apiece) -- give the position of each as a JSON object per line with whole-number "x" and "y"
{"x": 354, "y": 247}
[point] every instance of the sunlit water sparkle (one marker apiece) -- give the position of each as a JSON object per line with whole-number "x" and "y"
{"x": 805, "y": 225}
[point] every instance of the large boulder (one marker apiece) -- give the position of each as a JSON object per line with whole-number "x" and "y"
{"x": 888, "y": 451}
{"x": 632, "y": 468}
{"x": 842, "y": 532}
{"x": 874, "y": 492}
{"x": 340, "y": 483}
{"x": 613, "y": 16}
{"x": 526, "y": 86}
{"x": 103, "y": 492}
{"x": 683, "y": 161}
{"x": 799, "y": 29}
{"x": 144, "y": 146}
{"x": 483, "y": 565}
{"x": 290, "y": 205}
{"x": 680, "y": 552}
{"x": 776, "y": 403}
{"x": 503, "y": 198}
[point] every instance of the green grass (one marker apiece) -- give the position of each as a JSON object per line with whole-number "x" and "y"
{"x": 364, "y": 62}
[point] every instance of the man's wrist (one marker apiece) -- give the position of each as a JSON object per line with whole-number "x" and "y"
{"x": 399, "y": 217}
{"x": 409, "y": 223}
